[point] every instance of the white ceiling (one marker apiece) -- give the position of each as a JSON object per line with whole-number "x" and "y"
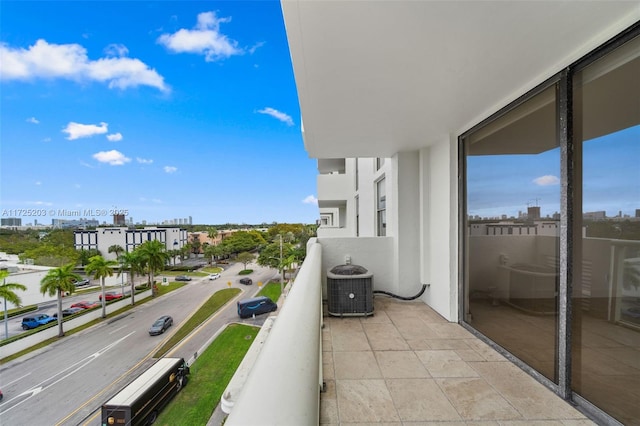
{"x": 378, "y": 77}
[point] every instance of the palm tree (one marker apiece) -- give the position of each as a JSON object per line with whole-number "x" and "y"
{"x": 100, "y": 269}
{"x": 211, "y": 252}
{"x": 117, "y": 249}
{"x": 7, "y": 292}
{"x": 131, "y": 262}
{"x": 56, "y": 282}
{"x": 154, "y": 256}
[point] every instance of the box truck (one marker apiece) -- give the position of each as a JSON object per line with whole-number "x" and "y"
{"x": 141, "y": 400}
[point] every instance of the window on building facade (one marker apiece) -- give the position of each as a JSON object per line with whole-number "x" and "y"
{"x": 379, "y": 163}
{"x": 381, "y": 208}
{"x": 567, "y": 308}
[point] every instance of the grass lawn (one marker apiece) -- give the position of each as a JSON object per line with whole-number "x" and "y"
{"x": 214, "y": 303}
{"x": 210, "y": 374}
{"x": 271, "y": 290}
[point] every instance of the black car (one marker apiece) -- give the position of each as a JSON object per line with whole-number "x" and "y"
{"x": 246, "y": 281}
{"x": 69, "y": 311}
{"x": 183, "y": 278}
{"x": 160, "y": 325}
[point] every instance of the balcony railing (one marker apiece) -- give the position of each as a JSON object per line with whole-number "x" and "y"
{"x": 283, "y": 387}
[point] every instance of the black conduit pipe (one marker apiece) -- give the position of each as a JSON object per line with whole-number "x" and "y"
{"x": 424, "y": 287}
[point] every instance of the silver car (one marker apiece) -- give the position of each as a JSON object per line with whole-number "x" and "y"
{"x": 160, "y": 325}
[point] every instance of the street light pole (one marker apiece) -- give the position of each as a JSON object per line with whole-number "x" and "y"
{"x": 6, "y": 323}
{"x": 281, "y": 268}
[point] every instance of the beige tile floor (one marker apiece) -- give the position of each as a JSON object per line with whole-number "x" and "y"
{"x": 406, "y": 365}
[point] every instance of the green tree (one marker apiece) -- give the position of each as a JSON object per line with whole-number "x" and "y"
{"x": 100, "y": 269}
{"x": 244, "y": 258}
{"x": 154, "y": 256}
{"x": 195, "y": 246}
{"x": 85, "y": 255}
{"x": 132, "y": 263}
{"x": 117, "y": 249}
{"x": 8, "y": 294}
{"x": 242, "y": 241}
{"x": 48, "y": 254}
{"x": 212, "y": 233}
{"x": 185, "y": 251}
{"x": 211, "y": 252}
{"x": 57, "y": 282}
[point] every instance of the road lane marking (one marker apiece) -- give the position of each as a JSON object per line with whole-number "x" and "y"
{"x": 118, "y": 329}
{"x": 61, "y": 375}
{"x": 19, "y": 378}
{"x": 87, "y": 420}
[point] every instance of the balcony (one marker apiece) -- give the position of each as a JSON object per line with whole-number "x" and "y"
{"x": 334, "y": 189}
{"x": 404, "y": 364}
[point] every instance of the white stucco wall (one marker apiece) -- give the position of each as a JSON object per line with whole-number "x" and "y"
{"x": 371, "y": 253}
{"x": 406, "y": 222}
{"x": 439, "y": 227}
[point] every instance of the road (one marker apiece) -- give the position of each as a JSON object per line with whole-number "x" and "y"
{"x": 14, "y": 325}
{"x": 66, "y": 382}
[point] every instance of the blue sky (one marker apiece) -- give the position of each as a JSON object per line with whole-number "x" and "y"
{"x": 162, "y": 109}
{"x": 508, "y": 184}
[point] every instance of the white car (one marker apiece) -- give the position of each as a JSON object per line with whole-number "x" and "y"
{"x": 214, "y": 276}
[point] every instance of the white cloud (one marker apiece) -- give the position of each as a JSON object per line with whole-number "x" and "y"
{"x": 285, "y": 118}
{"x": 546, "y": 180}
{"x": 205, "y": 39}
{"x": 170, "y": 169}
{"x": 38, "y": 183}
{"x": 113, "y": 157}
{"x": 70, "y": 61}
{"x": 116, "y": 50}
{"x": 311, "y": 199}
{"x": 153, "y": 200}
{"x": 255, "y": 47}
{"x": 114, "y": 137}
{"x": 40, "y": 203}
{"x": 144, "y": 160}
{"x": 77, "y": 130}
{"x": 33, "y": 120}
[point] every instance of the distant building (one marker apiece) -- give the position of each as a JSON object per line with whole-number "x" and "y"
{"x": 599, "y": 215}
{"x": 11, "y": 221}
{"x": 533, "y": 213}
{"x": 119, "y": 220}
{"x": 74, "y": 223}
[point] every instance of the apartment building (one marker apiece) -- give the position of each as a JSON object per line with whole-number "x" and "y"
{"x": 128, "y": 238}
{"x": 478, "y": 108}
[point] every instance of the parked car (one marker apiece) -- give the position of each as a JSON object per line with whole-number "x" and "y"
{"x": 85, "y": 305}
{"x": 81, "y": 283}
{"x": 69, "y": 311}
{"x": 160, "y": 325}
{"x": 214, "y": 276}
{"x": 183, "y": 278}
{"x": 246, "y": 281}
{"x": 111, "y": 295}
{"x": 36, "y": 321}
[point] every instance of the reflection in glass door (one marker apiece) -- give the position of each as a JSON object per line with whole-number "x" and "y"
{"x": 512, "y": 232}
{"x": 606, "y": 300}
